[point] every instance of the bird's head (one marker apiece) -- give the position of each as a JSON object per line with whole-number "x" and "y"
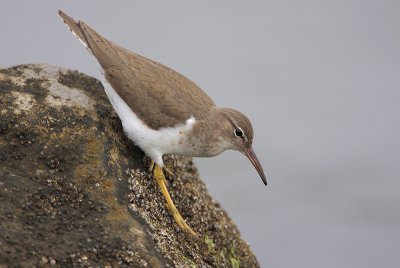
{"x": 238, "y": 132}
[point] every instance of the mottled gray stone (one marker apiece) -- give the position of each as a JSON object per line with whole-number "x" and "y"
{"x": 74, "y": 191}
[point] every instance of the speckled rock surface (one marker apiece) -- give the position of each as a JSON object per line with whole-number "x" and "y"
{"x": 75, "y": 192}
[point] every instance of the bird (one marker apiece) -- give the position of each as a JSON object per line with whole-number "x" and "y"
{"x": 163, "y": 112}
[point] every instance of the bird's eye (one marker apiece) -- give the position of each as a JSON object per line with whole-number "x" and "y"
{"x": 239, "y": 132}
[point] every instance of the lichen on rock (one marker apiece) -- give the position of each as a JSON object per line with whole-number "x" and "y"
{"x": 75, "y": 192}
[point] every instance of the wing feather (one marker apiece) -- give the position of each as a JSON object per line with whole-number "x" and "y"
{"x": 158, "y": 95}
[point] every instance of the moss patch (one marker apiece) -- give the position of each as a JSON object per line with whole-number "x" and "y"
{"x": 75, "y": 79}
{"x": 12, "y": 71}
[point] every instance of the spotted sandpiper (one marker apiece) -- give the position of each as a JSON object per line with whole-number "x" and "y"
{"x": 162, "y": 111}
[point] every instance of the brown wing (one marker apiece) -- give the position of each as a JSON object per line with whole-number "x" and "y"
{"x": 157, "y": 94}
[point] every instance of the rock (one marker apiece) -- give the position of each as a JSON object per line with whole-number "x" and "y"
{"x": 75, "y": 192}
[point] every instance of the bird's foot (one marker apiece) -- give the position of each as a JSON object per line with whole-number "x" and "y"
{"x": 159, "y": 175}
{"x": 169, "y": 172}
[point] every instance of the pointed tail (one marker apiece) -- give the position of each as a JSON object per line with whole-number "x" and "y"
{"x": 75, "y": 28}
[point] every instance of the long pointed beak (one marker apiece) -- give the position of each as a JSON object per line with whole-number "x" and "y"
{"x": 251, "y": 155}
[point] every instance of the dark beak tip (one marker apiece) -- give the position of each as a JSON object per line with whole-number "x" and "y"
{"x": 256, "y": 163}
{"x": 265, "y": 181}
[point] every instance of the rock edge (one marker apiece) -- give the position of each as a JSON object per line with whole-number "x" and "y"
{"x": 74, "y": 191}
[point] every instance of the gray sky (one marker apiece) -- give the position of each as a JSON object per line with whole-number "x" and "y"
{"x": 320, "y": 81}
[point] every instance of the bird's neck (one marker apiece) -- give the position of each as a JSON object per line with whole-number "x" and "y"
{"x": 206, "y": 137}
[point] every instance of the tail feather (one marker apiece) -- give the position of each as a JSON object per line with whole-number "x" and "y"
{"x": 102, "y": 49}
{"x": 75, "y": 28}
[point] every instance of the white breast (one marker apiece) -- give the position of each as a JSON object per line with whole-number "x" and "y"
{"x": 155, "y": 143}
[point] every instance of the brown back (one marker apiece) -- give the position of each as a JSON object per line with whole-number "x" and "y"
{"x": 158, "y": 95}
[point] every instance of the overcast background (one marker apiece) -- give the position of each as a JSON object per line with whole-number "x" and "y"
{"x": 320, "y": 81}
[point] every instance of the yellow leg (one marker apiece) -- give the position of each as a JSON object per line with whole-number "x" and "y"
{"x": 151, "y": 166}
{"x": 169, "y": 172}
{"x": 159, "y": 175}
{"x": 151, "y": 170}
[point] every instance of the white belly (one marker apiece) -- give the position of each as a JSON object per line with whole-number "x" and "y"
{"x": 155, "y": 143}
